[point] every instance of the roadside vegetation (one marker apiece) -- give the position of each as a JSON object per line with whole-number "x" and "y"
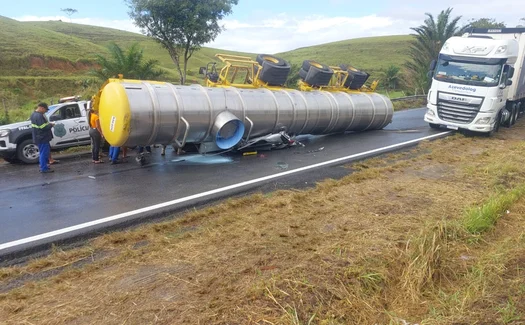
{"x": 431, "y": 235}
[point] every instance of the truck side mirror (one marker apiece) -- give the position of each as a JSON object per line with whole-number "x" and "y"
{"x": 430, "y": 73}
{"x": 432, "y": 65}
{"x": 508, "y": 83}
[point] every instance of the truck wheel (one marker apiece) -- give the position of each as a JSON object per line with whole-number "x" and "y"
{"x": 27, "y": 152}
{"x": 517, "y": 112}
{"x": 496, "y": 127}
{"x": 497, "y": 123}
{"x": 512, "y": 119}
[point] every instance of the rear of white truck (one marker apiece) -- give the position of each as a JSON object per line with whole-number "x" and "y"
{"x": 478, "y": 81}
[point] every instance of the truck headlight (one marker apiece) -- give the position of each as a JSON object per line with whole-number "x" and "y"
{"x": 483, "y": 120}
{"x": 431, "y": 112}
{"x": 4, "y": 133}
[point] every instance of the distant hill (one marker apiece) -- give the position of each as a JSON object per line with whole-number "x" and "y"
{"x": 370, "y": 54}
{"x": 36, "y": 48}
{"x": 53, "y": 58}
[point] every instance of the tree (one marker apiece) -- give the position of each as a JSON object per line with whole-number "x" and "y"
{"x": 180, "y": 26}
{"x": 485, "y": 23}
{"x": 293, "y": 77}
{"x": 130, "y": 63}
{"x": 69, "y": 12}
{"x": 429, "y": 38}
{"x": 521, "y": 25}
{"x": 390, "y": 76}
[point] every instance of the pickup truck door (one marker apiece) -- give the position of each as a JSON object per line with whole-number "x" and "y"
{"x": 70, "y": 127}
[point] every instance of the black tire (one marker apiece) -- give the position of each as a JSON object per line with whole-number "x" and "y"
{"x": 497, "y": 123}
{"x": 319, "y": 76}
{"x": 312, "y": 63}
{"x": 356, "y": 78}
{"x": 302, "y": 73}
{"x": 512, "y": 119}
{"x": 516, "y": 113}
{"x": 27, "y": 152}
{"x": 261, "y": 58}
{"x": 434, "y": 126}
{"x": 274, "y": 75}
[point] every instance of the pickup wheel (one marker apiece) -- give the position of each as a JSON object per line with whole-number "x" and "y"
{"x": 27, "y": 152}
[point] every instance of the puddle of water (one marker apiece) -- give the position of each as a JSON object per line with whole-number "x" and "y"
{"x": 203, "y": 160}
{"x": 282, "y": 165}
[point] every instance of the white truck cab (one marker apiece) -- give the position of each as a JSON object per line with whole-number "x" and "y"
{"x": 474, "y": 84}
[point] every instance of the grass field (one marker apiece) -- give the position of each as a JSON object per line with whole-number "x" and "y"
{"x": 57, "y": 49}
{"x": 432, "y": 235}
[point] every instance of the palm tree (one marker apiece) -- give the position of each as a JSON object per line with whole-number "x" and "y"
{"x": 429, "y": 38}
{"x": 390, "y": 76}
{"x": 130, "y": 63}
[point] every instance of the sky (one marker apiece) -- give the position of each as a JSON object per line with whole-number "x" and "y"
{"x": 273, "y": 26}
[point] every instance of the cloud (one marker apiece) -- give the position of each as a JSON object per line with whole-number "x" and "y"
{"x": 283, "y": 32}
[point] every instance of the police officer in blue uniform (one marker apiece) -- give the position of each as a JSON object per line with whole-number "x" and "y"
{"x": 42, "y": 135}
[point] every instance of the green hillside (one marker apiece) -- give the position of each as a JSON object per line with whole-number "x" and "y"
{"x": 45, "y": 60}
{"x": 370, "y": 54}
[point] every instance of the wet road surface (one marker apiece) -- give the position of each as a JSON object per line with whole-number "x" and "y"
{"x": 82, "y": 197}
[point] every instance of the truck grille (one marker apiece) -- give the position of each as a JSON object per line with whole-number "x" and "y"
{"x": 458, "y": 108}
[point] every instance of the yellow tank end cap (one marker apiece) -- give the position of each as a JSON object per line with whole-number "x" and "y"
{"x": 115, "y": 114}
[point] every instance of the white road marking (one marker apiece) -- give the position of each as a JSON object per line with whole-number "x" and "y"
{"x": 204, "y": 194}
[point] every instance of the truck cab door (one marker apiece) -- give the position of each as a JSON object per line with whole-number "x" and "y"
{"x": 69, "y": 125}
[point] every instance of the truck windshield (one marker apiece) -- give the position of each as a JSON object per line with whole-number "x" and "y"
{"x": 468, "y": 73}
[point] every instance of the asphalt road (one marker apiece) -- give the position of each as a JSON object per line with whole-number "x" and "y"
{"x": 80, "y": 197}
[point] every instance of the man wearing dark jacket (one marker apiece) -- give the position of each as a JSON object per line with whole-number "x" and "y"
{"x": 42, "y": 135}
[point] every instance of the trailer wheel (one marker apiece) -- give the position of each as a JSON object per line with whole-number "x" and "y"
{"x": 302, "y": 73}
{"x": 318, "y": 74}
{"x": 274, "y": 70}
{"x": 261, "y": 58}
{"x": 27, "y": 152}
{"x": 356, "y": 78}
{"x": 307, "y": 64}
{"x": 274, "y": 75}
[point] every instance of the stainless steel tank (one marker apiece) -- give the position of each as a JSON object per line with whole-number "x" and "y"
{"x": 139, "y": 113}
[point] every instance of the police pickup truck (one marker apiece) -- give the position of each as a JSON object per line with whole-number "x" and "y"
{"x": 71, "y": 129}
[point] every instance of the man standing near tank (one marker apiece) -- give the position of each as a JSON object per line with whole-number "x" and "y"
{"x": 42, "y": 135}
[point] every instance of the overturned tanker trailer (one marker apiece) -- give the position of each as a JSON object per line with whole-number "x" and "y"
{"x": 226, "y": 115}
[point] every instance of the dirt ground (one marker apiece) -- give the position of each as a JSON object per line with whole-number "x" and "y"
{"x": 391, "y": 243}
